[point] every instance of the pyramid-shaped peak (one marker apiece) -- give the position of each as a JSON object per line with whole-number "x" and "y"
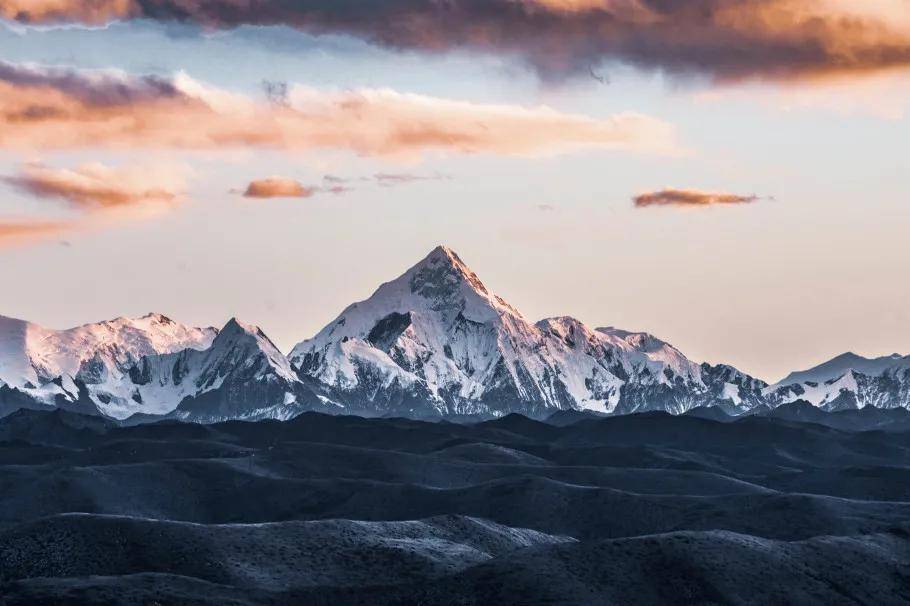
{"x": 443, "y": 250}
{"x": 237, "y": 334}
{"x": 443, "y": 255}
{"x": 236, "y": 327}
{"x": 441, "y": 272}
{"x": 236, "y": 331}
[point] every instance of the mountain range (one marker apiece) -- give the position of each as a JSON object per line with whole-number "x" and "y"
{"x": 434, "y": 342}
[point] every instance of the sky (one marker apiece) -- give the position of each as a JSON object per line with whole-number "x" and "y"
{"x": 729, "y": 175}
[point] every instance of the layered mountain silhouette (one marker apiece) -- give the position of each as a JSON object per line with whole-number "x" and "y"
{"x": 646, "y": 508}
{"x": 434, "y": 342}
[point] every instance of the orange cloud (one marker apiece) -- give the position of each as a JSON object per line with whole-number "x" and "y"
{"x": 100, "y": 195}
{"x": 689, "y": 197}
{"x": 724, "y": 39}
{"x": 14, "y": 233}
{"x": 90, "y": 12}
{"x": 884, "y": 94}
{"x": 53, "y": 108}
{"x": 278, "y": 187}
{"x": 92, "y": 186}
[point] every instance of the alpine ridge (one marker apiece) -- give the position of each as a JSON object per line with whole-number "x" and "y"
{"x": 848, "y": 382}
{"x": 435, "y": 342}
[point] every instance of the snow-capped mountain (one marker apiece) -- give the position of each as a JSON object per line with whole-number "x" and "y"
{"x": 436, "y": 340}
{"x": 32, "y": 354}
{"x": 433, "y": 342}
{"x": 150, "y": 366}
{"x": 47, "y": 365}
{"x": 241, "y": 376}
{"x": 846, "y": 382}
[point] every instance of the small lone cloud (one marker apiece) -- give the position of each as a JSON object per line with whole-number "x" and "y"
{"x": 284, "y": 187}
{"x": 690, "y": 197}
{"x": 546, "y": 208}
{"x": 278, "y": 187}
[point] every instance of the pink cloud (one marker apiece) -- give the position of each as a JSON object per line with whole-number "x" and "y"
{"x": 93, "y": 186}
{"x": 22, "y": 232}
{"x": 53, "y": 108}
{"x": 99, "y": 194}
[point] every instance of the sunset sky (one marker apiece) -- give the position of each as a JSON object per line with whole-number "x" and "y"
{"x": 729, "y": 175}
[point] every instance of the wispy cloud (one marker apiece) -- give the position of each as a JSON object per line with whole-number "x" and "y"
{"x": 98, "y": 194}
{"x": 20, "y": 232}
{"x": 384, "y": 179}
{"x": 93, "y": 186}
{"x": 50, "y": 108}
{"x": 689, "y": 197}
{"x": 393, "y": 179}
{"x": 725, "y": 39}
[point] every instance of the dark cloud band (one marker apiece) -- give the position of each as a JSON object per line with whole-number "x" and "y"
{"x": 726, "y": 39}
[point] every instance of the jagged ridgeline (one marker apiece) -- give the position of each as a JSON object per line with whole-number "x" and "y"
{"x": 433, "y": 342}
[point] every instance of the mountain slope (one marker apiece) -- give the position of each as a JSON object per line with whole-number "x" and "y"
{"x": 437, "y": 341}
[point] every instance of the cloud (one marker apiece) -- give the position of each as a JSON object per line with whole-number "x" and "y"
{"x": 98, "y": 195}
{"x": 724, "y": 39}
{"x": 49, "y": 108}
{"x": 88, "y": 12}
{"x": 21, "y": 232}
{"x": 384, "y": 179}
{"x": 884, "y": 94}
{"x": 93, "y": 186}
{"x": 278, "y": 187}
{"x": 393, "y": 179}
{"x": 689, "y": 197}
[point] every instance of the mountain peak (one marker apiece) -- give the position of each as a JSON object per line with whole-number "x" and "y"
{"x": 443, "y": 251}
{"x": 445, "y": 257}
{"x": 441, "y": 268}
{"x": 838, "y": 367}
{"x": 849, "y": 356}
{"x": 157, "y": 318}
{"x": 249, "y": 341}
{"x": 235, "y": 328}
